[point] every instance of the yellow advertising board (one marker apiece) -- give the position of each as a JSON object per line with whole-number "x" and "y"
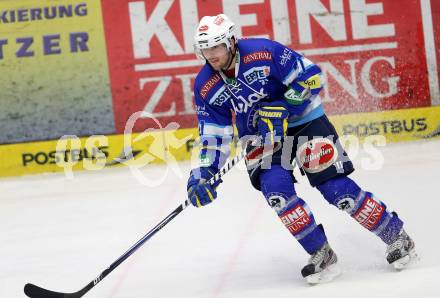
{"x": 54, "y": 70}
{"x": 396, "y": 126}
{"x": 96, "y": 152}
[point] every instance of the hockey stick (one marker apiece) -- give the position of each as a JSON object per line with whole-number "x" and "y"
{"x": 34, "y": 291}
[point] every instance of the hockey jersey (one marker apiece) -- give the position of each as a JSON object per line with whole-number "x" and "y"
{"x": 265, "y": 71}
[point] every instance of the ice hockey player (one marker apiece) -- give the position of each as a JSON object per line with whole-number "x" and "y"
{"x": 274, "y": 93}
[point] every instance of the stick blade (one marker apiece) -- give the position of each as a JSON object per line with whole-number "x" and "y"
{"x": 34, "y": 291}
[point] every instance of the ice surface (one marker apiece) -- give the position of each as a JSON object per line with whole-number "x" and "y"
{"x": 60, "y": 234}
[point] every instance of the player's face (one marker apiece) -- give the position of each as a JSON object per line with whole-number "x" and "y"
{"x": 217, "y": 56}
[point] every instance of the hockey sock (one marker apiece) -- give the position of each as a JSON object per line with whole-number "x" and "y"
{"x": 278, "y": 188}
{"x": 363, "y": 206}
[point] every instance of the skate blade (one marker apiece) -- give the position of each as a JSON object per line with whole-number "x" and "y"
{"x": 328, "y": 274}
{"x": 407, "y": 260}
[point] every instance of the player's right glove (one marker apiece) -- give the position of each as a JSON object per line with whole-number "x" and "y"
{"x": 272, "y": 121}
{"x": 200, "y": 192}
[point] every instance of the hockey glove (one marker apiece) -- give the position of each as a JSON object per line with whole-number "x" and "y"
{"x": 200, "y": 192}
{"x": 272, "y": 122}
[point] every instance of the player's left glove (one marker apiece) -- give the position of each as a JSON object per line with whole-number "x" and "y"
{"x": 200, "y": 192}
{"x": 272, "y": 121}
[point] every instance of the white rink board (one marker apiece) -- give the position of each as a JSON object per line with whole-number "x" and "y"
{"x": 60, "y": 234}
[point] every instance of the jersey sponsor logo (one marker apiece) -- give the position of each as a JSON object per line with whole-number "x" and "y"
{"x": 201, "y": 111}
{"x": 295, "y": 219}
{"x": 313, "y": 82}
{"x": 317, "y": 155}
{"x": 256, "y": 154}
{"x": 242, "y": 105}
{"x": 293, "y": 97}
{"x": 369, "y": 214}
{"x": 205, "y": 160}
{"x": 286, "y": 56}
{"x": 212, "y": 81}
{"x": 233, "y": 85}
{"x": 257, "y": 56}
{"x": 220, "y": 97}
{"x": 257, "y": 74}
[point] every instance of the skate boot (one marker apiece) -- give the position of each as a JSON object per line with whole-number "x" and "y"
{"x": 322, "y": 266}
{"x": 402, "y": 251}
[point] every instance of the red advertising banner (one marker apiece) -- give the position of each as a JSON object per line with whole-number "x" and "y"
{"x": 372, "y": 53}
{"x": 435, "y": 57}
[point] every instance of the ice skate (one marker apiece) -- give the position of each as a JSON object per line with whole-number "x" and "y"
{"x": 322, "y": 266}
{"x": 401, "y": 252}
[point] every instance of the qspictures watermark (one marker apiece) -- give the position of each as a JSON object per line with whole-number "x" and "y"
{"x": 143, "y": 149}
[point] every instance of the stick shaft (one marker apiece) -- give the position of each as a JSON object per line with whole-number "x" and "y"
{"x": 34, "y": 291}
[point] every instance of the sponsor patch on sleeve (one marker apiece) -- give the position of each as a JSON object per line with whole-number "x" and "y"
{"x": 313, "y": 82}
{"x": 209, "y": 84}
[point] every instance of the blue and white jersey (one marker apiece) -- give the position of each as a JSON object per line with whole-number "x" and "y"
{"x": 265, "y": 71}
